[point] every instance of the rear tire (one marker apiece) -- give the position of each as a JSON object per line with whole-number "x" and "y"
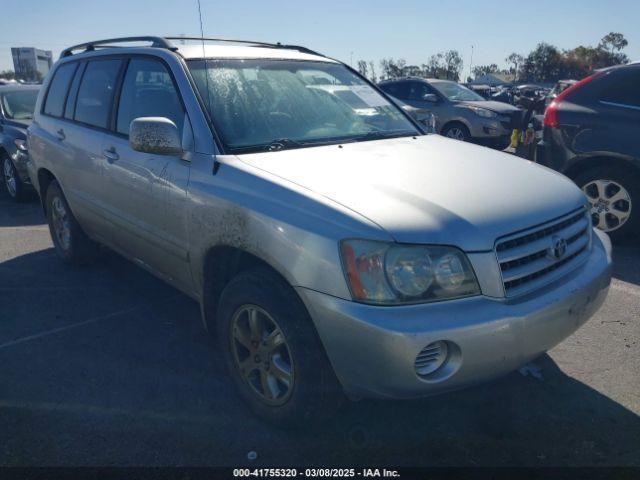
{"x": 288, "y": 385}
{"x": 457, "y": 131}
{"x": 614, "y": 194}
{"x": 71, "y": 244}
{"x": 11, "y": 180}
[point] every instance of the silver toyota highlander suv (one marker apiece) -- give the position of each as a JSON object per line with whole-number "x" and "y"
{"x": 332, "y": 249}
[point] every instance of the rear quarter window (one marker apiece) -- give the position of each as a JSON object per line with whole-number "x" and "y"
{"x": 57, "y": 93}
{"x": 623, "y": 89}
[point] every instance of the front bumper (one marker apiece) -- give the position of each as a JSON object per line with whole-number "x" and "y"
{"x": 20, "y": 161}
{"x": 373, "y": 349}
{"x": 487, "y": 128}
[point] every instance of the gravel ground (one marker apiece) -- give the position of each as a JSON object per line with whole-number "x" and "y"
{"x": 108, "y": 366}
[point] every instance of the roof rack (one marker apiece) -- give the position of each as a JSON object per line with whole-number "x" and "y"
{"x": 157, "y": 42}
{"x": 165, "y": 42}
{"x": 248, "y": 42}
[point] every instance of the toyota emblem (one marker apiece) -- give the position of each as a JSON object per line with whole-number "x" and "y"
{"x": 558, "y": 247}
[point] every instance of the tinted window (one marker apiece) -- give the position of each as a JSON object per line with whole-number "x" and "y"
{"x": 57, "y": 93}
{"x": 397, "y": 90}
{"x": 96, "y": 92}
{"x": 625, "y": 89}
{"x": 148, "y": 91}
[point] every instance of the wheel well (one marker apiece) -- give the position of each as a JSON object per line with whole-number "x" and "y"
{"x": 45, "y": 177}
{"x": 221, "y": 264}
{"x": 598, "y": 161}
{"x": 452, "y": 123}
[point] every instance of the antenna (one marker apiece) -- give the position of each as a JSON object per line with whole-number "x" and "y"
{"x": 204, "y": 56}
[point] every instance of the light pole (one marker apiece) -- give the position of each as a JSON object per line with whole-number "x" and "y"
{"x": 471, "y": 63}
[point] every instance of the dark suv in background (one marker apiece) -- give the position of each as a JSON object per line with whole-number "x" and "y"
{"x": 592, "y": 135}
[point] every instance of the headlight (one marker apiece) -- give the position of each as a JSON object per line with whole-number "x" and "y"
{"x": 390, "y": 273}
{"x": 21, "y": 144}
{"x": 483, "y": 112}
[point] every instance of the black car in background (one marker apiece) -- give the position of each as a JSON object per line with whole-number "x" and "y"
{"x": 592, "y": 135}
{"x": 17, "y": 103}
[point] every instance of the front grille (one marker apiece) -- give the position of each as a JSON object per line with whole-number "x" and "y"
{"x": 539, "y": 255}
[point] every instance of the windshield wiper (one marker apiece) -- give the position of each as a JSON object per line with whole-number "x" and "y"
{"x": 272, "y": 146}
{"x": 376, "y": 135}
{"x": 282, "y": 143}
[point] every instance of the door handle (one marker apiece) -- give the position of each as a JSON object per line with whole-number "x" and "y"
{"x": 110, "y": 154}
{"x": 61, "y": 135}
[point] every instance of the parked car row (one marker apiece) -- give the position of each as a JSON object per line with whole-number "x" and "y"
{"x": 334, "y": 247}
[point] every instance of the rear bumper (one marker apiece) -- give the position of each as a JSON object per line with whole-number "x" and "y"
{"x": 373, "y": 349}
{"x": 551, "y": 153}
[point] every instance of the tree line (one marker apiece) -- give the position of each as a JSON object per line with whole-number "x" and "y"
{"x": 545, "y": 63}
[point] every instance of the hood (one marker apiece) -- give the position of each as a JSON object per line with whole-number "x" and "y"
{"x": 429, "y": 189}
{"x": 498, "y": 107}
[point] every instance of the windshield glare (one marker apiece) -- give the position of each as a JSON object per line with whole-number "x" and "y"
{"x": 19, "y": 105}
{"x": 456, "y": 92}
{"x": 258, "y": 103}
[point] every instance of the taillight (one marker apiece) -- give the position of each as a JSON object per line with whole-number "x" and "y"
{"x": 551, "y": 113}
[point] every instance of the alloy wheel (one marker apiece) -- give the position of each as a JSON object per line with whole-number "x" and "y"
{"x": 262, "y": 355}
{"x": 610, "y": 204}
{"x": 455, "y": 133}
{"x": 61, "y": 224}
{"x": 9, "y": 177}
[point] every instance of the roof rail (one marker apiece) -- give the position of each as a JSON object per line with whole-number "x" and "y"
{"x": 157, "y": 42}
{"x": 249, "y": 42}
{"x": 165, "y": 42}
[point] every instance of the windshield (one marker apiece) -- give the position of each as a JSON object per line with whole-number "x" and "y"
{"x": 456, "y": 92}
{"x": 19, "y": 105}
{"x": 269, "y": 104}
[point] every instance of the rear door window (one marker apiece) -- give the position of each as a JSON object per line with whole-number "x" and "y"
{"x": 96, "y": 92}
{"x": 148, "y": 91}
{"x": 57, "y": 93}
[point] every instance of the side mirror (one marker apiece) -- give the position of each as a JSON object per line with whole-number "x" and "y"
{"x": 157, "y": 135}
{"x": 430, "y": 97}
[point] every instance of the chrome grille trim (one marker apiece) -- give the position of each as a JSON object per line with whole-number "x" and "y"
{"x": 525, "y": 258}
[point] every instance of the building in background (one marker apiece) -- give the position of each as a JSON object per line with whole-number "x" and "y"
{"x": 31, "y": 64}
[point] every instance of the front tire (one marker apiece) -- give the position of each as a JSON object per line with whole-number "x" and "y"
{"x": 272, "y": 351}
{"x": 12, "y": 183}
{"x": 457, "y": 131}
{"x": 71, "y": 243}
{"x": 614, "y": 195}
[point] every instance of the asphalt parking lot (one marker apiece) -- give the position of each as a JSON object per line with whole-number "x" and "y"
{"x": 108, "y": 366}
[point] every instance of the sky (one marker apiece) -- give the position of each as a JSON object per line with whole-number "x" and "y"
{"x": 348, "y": 30}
